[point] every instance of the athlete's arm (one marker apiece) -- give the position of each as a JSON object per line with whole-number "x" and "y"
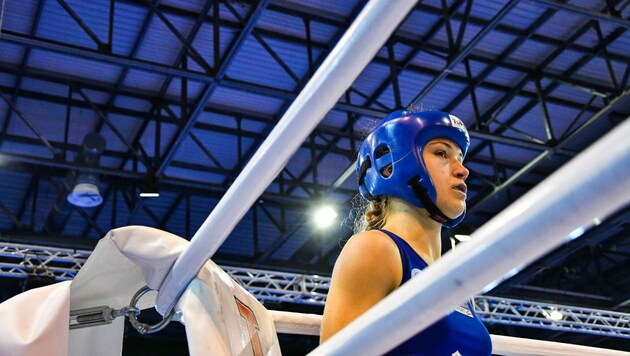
{"x": 367, "y": 270}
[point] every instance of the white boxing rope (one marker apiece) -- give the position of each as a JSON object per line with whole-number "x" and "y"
{"x": 296, "y": 323}
{"x": 591, "y": 186}
{"x": 355, "y": 50}
{"x": 309, "y": 324}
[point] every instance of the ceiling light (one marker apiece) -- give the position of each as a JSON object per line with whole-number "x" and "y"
{"x": 85, "y": 194}
{"x": 149, "y": 188}
{"x": 325, "y": 216}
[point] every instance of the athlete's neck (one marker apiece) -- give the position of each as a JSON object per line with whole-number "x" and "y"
{"x": 414, "y": 226}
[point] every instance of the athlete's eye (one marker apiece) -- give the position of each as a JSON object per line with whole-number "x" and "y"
{"x": 441, "y": 153}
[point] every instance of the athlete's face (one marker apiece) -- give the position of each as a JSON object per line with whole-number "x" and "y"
{"x": 443, "y": 159}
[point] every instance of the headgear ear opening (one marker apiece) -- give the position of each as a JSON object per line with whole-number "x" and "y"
{"x": 395, "y": 148}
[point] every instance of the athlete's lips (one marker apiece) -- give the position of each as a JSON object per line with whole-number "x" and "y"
{"x": 461, "y": 187}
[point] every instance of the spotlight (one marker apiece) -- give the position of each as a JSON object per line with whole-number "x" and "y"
{"x": 325, "y": 216}
{"x": 85, "y": 193}
{"x": 554, "y": 315}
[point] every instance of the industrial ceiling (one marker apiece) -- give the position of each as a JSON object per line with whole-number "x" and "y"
{"x": 125, "y": 95}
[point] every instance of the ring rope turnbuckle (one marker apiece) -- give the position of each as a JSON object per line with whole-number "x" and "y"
{"x": 94, "y": 316}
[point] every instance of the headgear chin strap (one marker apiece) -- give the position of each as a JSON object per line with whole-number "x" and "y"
{"x": 434, "y": 212}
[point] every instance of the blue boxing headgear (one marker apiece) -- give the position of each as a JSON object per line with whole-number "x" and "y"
{"x": 391, "y": 163}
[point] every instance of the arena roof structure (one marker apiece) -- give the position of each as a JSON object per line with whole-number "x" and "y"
{"x": 103, "y": 100}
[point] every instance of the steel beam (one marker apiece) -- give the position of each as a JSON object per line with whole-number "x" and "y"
{"x": 30, "y": 125}
{"x": 464, "y": 52}
{"x": 594, "y": 15}
{"x": 101, "y": 46}
{"x": 180, "y": 60}
{"x": 209, "y": 89}
{"x": 546, "y": 154}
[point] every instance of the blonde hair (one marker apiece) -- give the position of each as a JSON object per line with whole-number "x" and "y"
{"x": 372, "y": 214}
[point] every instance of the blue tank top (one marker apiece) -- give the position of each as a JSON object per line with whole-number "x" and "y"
{"x": 459, "y": 333}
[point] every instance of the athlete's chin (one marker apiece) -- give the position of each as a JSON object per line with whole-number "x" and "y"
{"x": 455, "y": 210}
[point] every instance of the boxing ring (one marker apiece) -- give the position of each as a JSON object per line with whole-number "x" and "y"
{"x": 592, "y": 186}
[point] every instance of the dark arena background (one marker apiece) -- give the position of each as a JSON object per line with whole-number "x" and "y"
{"x": 102, "y": 100}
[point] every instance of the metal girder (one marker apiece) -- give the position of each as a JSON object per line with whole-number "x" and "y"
{"x": 500, "y": 58}
{"x": 17, "y": 159}
{"x": 357, "y": 8}
{"x": 544, "y": 112}
{"x": 265, "y": 45}
{"x": 27, "y": 52}
{"x": 192, "y": 52}
{"x": 32, "y": 191}
{"x": 221, "y": 69}
{"x": 508, "y": 30}
{"x": 88, "y": 31}
{"x": 552, "y": 316}
{"x": 258, "y": 117}
{"x": 20, "y": 260}
{"x": 14, "y": 158}
{"x": 132, "y": 54}
{"x": 529, "y": 144}
{"x": 11, "y": 216}
{"x": 179, "y": 61}
{"x": 464, "y": 52}
{"x": 281, "y": 287}
{"x": 171, "y": 210}
{"x": 419, "y": 45}
{"x": 93, "y": 224}
{"x": 199, "y": 126}
{"x": 300, "y": 221}
{"x": 110, "y": 58}
{"x": 28, "y": 124}
{"x": 595, "y": 15}
{"x": 214, "y": 190}
{"x": 142, "y": 156}
{"x": 238, "y": 85}
{"x": 546, "y": 154}
{"x": 503, "y": 102}
{"x": 314, "y": 162}
{"x": 423, "y": 8}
